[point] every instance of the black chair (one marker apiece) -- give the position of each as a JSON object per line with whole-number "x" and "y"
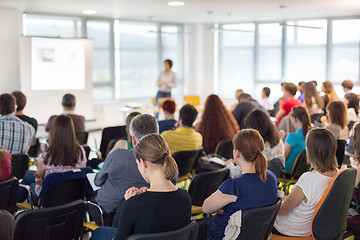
{"x": 8, "y": 194}
{"x": 316, "y": 117}
{"x": 340, "y": 151}
{"x": 203, "y": 185}
{"x": 19, "y": 165}
{"x": 82, "y": 137}
{"x": 87, "y": 150}
{"x": 225, "y": 149}
{"x": 189, "y": 232}
{"x": 57, "y": 223}
{"x": 186, "y": 162}
{"x": 34, "y": 150}
{"x": 110, "y": 133}
{"x": 257, "y": 223}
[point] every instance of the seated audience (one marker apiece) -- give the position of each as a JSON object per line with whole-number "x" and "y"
{"x": 120, "y": 171}
{"x": 7, "y": 225}
{"x": 63, "y": 154}
{"x": 237, "y": 95}
{"x": 256, "y": 187}
{"x": 357, "y": 152}
{"x": 290, "y": 102}
{"x": 337, "y": 123}
{"x": 300, "y": 88}
{"x": 297, "y": 209}
{"x": 169, "y": 108}
{"x": 68, "y": 104}
{"x": 184, "y": 137}
{"x": 295, "y": 142}
{"x": 245, "y": 106}
{"x": 21, "y": 102}
{"x": 347, "y": 86}
{"x": 281, "y": 100}
{"x": 161, "y": 208}
{"x": 330, "y": 94}
{"x": 216, "y": 124}
{"x": 352, "y": 104}
{"x": 312, "y": 100}
{"x": 266, "y": 102}
{"x": 5, "y": 165}
{"x": 16, "y": 136}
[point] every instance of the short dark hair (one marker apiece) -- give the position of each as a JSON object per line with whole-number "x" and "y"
{"x": 188, "y": 114}
{"x": 68, "y": 100}
{"x": 142, "y": 125}
{"x": 168, "y": 61}
{"x": 291, "y": 88}
{"x": 20, "y": 100}
{"x": 266, "y": 91}
{"x": 347, "y": 84}
{"x": 7, "y": 103}
{"x": 245, "y": 97}
{"x": 169, "y": 106}
{"x": 315, "y": 82}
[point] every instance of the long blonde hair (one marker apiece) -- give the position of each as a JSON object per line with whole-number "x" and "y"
{"x": 330, "y": 91}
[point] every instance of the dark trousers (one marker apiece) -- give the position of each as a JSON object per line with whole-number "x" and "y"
{"x": 28, "y": 179}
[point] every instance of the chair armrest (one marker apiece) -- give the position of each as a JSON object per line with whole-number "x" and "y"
{"x": 29, "y": 198}
{"x": 99, "y": 209}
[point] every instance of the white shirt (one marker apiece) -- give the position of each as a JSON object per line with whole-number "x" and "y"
{"x": 267, "y": 103}
{"x": 351, "y": 115}
{"x": 170, "y": 78}
{"x": 298, "y": 221}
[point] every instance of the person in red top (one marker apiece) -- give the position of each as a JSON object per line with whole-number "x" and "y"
{"x": 291, "y": 101}
{"x": 5, "y": 163}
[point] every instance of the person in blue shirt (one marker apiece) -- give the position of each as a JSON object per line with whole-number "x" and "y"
{"x": 169, "y": 107}
{"x": 295, "y": 142}
{"x": 256, "y": 187}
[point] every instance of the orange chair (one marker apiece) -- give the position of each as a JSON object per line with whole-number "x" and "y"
{"x": 192, "y": 99}
{"x": 330, "y": 216}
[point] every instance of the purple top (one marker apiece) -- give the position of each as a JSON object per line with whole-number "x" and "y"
{"x": 302, "y": 97}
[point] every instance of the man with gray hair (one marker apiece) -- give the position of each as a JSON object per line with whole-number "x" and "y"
{"x": 120, "y": 172}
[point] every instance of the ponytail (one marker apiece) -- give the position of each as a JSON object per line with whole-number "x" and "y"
{"x": 261, "y": 166}
{"x": 170, "y": 168}
{"x": 301, "y": 114}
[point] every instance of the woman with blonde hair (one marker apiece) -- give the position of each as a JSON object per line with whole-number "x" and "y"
{"x": 313, "y": 102}
{"x": 330, "y": 94}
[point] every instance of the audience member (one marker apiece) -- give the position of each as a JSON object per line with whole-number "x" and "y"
{"x": 337, "y": 123}
{"x": 120, "y": 171}
{"x": 281, "y": 100}
{"x": 300, "y": 88}
{"x": 68, "y": 103}
{"x": 330, "y": 94}
{"x": 357, "y": 152}
{"x": 184, "y": 137}
{"x": 312, "y": 100}
{"x": 21, "y": 102}
{"x": 296, "y": 211}
{"x": 169, "y": 108}
{"x": 266, "y": 102}
{"x": 352, "y": 103}
{"x": 237, "y": 95}
{"x": 63, "y": 154}
{"x": 161, "y": 208}
{"x": 256, "y": 187}
{"x": 289, "y": 103}
{"x": 216, "y": 124}
{"x": 16, "y": 136}
{"x": 347, "y": 86}
{"x": 5, "y": 165}
{"x": 7, "y": 225}
{"x": 295, "y": 142}
{"x": 245, "y": 106}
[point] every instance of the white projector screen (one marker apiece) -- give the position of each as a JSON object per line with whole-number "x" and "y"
{"x": 57, "y": 64}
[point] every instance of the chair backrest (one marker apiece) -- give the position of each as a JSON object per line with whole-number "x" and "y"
{"x": 82, "y": 137}
{"x": 192, "y": 99}
{"x": 19, "y": 165}
{"x": 87, "y": 151}
{"x": 300, "y": 165}
{"x": 110, "y": 133}
{"x": 204, "y": 184}
{"x": 34, "y": 150}
{"x": 186, "y": 160}
{"x": 225, "y": 149}
{"x": 340, "y": 151}
{"x": 316, "y": 117}
{"x": 189, "y": 232}
{"x": 330, "y": 217}
{"x": 257, "y": 222}
{"x": 57, "y": 223}
{"x": 8, "y": 194}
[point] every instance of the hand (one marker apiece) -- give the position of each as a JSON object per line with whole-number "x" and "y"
{"x": 229, "y": 161}
{"x": 220, "y": 211}
{"x": 143, "y": 189}
{"x": 166, "y": 84}
{"x": 131, "y": 192}
{"x": 282, "y": 134}
{"x": 284, "y": 198}
{"x": 38, "y": 179}
{"x": 323, "y": 120}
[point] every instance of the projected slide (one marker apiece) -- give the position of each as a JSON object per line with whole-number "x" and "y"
{"x": 57, "y": 64}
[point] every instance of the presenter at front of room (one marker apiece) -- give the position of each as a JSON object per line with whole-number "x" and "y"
{"x": 166, "y": 81}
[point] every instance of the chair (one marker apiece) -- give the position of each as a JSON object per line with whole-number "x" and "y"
{"x": 257, "y": 223}
{"x": 203, "y": 185}
{"x": 189, "y": 232}
{"x": 192, "y": 99}
{"x": 82, "y": 137}
{"x": 314, "y": 118}
{"x": 340, "y": 151}
{"x": 8, "y": 194}
{"x": 34, "y": 150}
{"x": 19, "y": 165}
{"x": 56, "y": 223}
{"x": 330, "y": 216}
{"x": 110, "y": 133}
{"x": 87, "y": 151}
{"x": 186, "y": 162}
{"x": 225, "y": 149}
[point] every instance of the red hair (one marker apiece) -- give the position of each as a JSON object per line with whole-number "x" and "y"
{"x": 169, "y": 106}
{"x": 216, "y": 124}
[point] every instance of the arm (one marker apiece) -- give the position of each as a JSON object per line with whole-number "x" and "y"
{"x": 40, "y": 174}
{"x": 324, "y": 121}
{"x": 280, "y": 113}
{"x": 292, "y": 201}
{"x": 102, "y": 175}
{"x": 216, "y": 201}
{"x": 127, "y": 220}
{"x": 287, "y": 150}
{"x": 172, "y": 83}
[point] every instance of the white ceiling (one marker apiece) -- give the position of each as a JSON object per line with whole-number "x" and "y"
{"x": 194, "y": 10}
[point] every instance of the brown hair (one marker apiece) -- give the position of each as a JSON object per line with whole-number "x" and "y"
{"x": 337, "y": 113}
{"x": 63, "y": 149}
{"x": 250, "y": 144}
{"x": 357, "y": 143}
{"x": 7, "y": 103}
{"x": 169, "y": 106}
{"x": 310, "y": 93}
{"x": 301, "y": 114}
{"x": 127, "y": 122}
{"x": 321, "y": 149}
{"x": 330, "y": 93}
{"x": 216, "y": 124}
{"x": 20, "y": 100}
{"x": 353, "y": 102}
{"x": 291, "y": 88}
{"x": 347, "y": 84}
{"x": 153, "y": 148}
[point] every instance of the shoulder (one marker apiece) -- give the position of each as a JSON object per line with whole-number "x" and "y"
{"x": 270, "y": 176}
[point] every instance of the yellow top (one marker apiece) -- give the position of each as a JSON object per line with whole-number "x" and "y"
{"x": 182, "y": 139}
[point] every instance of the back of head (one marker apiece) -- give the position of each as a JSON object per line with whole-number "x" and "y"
{"x": 169, "y": 106}
{"x": 7, "y": 225}
{"x": 128, "y": 120}
{"x": 330, "y": 91}
{"x": 7, "y": 104}
{"x": 290, "y": 88}
{"x": 310, "y": 92}
{"x": 143, "y": 125}
{"x": 261, "y": 122}
{"x": 357, "y": 143}
{"x": 266, "y": 91}
{"x": 347, "y": 84}
{"x": 154, "y": 149}
{"x": 321, "y": 149}
{"x": 301, "y": 114}
{"x": 238, "y": 92}
{"x": 244, "y": 97}
{"x": 68, "y": 100}
{"x": 353, "y": 102}
{"x": 337, "y": 113}
{"x": 20, "y": 100}
{"x": 250, "y": 145}
{"x": 188, "y": 115}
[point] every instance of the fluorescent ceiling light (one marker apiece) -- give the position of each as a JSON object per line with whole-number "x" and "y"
{"x": 176, "y": 4}
{"x": 89, "y": 12}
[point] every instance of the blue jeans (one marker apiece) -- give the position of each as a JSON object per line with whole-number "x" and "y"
{"x": 28, "y": 179}
{"x": 161, "y": 94}
{"x": 104, "y": 233}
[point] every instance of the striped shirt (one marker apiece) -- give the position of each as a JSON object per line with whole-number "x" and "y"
{"x": 182, "y": 139}
{"x": 16, "y": 136}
